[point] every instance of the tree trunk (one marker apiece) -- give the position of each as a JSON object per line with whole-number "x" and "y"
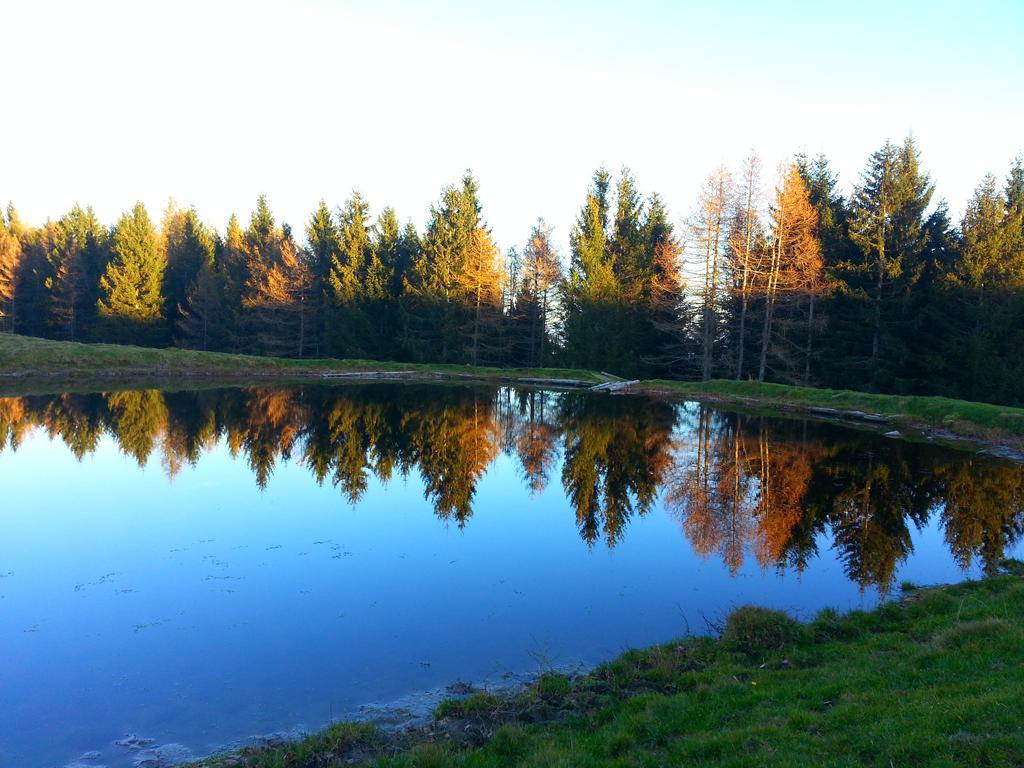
{"x": 810, "y": 341}
{"x": 769, "y": 301}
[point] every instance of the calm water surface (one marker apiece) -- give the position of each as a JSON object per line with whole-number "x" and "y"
{"x": 199, "y": 568}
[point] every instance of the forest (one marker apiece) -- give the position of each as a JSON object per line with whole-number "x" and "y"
{"x": 738, "y": 486}
{"x": 771, "y": 276}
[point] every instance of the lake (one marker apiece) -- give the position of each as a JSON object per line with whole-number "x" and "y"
{"x": 203, "y": 567}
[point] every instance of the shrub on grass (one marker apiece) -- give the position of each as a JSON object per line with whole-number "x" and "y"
{"x": 756, "y": 631}
{"x": 552, "y": 686}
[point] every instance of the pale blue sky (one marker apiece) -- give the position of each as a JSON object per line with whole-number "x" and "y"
{"x": 212, "y": 103}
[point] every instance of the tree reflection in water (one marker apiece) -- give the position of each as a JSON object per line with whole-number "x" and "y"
{"x": 740, "y": 486}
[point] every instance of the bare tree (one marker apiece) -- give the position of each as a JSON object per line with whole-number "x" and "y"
{"x": 746, "y": 248}
{"x": 708, "y": 230}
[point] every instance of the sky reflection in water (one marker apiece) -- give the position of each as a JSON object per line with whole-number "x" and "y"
{"x": 172, "y": 567}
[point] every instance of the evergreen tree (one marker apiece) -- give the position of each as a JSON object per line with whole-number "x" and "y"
{"x": 627, "y": 244}
{"x": 349, "y": 330}
{"x": 887, "y": 225}
{"x": 203, "y": 321}
{"x": 131, "y": 303}
{"x": 537, "y": 275}
{"x": 592, "y": 291}
{"x": 388, "y": 265}
{"x": 833, "y": 217}
{"x": 275, "y": 301}
{"x": 434, "y": 310}
{"x": 324, "y": 250}
{"x": 632, "y": 262}
{"x": 188, "y": 245}
{"x": 75, "y": 251}
{"x": 666, "y": 346}
{"x": 832, "y": 294}
{"x": 233, "y": 267}
{"x": 30, "y": 292}
{"x": 987, "y": 280}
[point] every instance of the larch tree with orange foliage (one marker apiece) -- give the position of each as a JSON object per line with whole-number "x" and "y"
{"x": 10, "y": 259}
{"x": 480, "y": 288}
{"x": 795, "y": 264}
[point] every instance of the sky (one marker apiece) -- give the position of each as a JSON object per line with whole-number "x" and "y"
{"x": 211, "y": 103}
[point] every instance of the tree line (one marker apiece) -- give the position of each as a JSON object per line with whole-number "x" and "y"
{"x": 782, "y": 279}
{"x": 739, "y": 486}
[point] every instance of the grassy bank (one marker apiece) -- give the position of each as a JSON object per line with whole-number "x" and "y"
{"x": 29, "y": 361}
{"x": 933, "y": 679}
{"x": 27, "y": 358}
{"x": 959, "y": 417}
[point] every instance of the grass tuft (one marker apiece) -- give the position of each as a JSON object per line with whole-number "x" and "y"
{"x": 479, "y": 704}
{"x": 755, "y": 631}
{"x": 553, "y": 687}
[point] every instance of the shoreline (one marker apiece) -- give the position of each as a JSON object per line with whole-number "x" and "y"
{"x": 30, "y": 363}
{"x": 763, "y": 671}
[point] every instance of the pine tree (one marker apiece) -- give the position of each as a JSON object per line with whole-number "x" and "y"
{"x": 31, "y": 301}
{"x": 232, "y": 257}
{"x": 276, "y": 299}
{"x": 986, "y": 260}
{"x": 131, "y": 303}
{"x": 667, "y": 347}
{"x": 591, "y": 292}
{"x": 76, "y": 254}
{"x": 324, "y": 250}
{"x": 537, "y": 275}
{"x": 626, "y": 246}
{"x": 833, "y": 216}
{"x": 388, "y": 265}
{"x": 433, "y": 309}
{"x": 986, "y": 281}
{"x": 233, "y": 267}
{"x": 324, "y": 243}
{"x": 887, "y": 225}
{"x": 632, "y": 263}
{"x": 349, "y": 330}
{"x": 188, "y": 245}
{"x": 203, "y": 320}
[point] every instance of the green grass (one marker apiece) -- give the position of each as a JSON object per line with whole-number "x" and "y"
{"x": 474, "y": 705}
{"x": 28, "y": 357}
{"x": 933, "y": 680}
